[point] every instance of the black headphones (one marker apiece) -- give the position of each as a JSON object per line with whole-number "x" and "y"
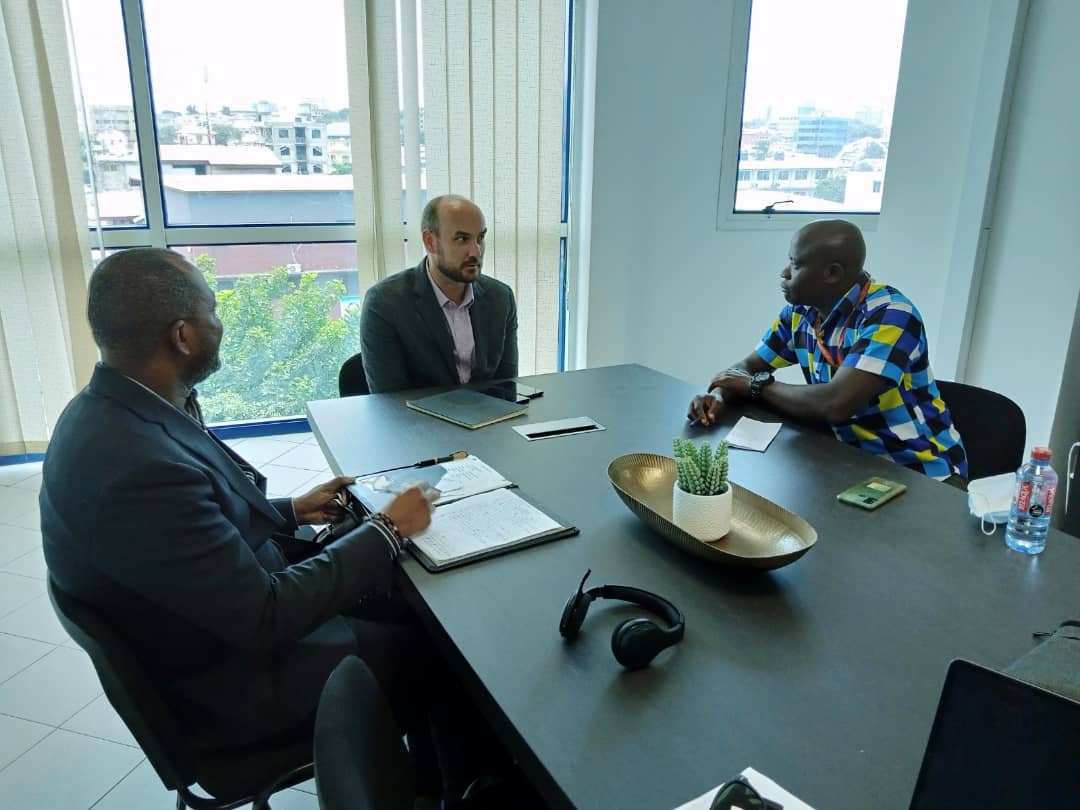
{"x": 635, "y": 642}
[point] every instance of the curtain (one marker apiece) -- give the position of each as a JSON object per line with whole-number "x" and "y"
{"x": 46, "y": 349}
{"x": 482, "y": 80}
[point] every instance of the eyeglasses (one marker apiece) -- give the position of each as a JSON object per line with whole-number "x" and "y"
{"x": 738, "y": 794}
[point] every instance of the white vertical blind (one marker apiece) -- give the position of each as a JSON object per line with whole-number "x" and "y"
{"x": 493, "y": 101}
{"x": 46, "y": 350}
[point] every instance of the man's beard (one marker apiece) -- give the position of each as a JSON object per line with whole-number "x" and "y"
{"x": 206, "y": 367}
{"x": 459, "y": 274}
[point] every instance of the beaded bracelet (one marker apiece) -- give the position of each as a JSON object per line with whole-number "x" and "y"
{"x": 385, "y": 520}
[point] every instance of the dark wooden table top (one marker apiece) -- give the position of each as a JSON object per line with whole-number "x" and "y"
{"x": 823, "y": 675}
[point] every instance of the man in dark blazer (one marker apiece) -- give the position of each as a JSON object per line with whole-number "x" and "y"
{"x": 163, "y": 529}
{"x": 441, "y": 323}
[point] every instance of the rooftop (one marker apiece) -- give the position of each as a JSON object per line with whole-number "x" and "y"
{"x": 219, "y": 155}
{"x": 250, "y": 183}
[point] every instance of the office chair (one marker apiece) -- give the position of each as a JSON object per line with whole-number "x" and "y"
{"x": 231, "y": 778}
{"x": 991, "y": 425}
{"x": 360, "y": 759}
{"x": 351, "y": 379}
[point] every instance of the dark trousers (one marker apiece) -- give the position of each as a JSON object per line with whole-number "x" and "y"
{"x": 448, "y": 740}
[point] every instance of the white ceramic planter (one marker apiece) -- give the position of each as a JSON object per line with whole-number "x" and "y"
{"x": 706, "y": 517}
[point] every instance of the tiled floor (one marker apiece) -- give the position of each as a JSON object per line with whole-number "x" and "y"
{"x": 62, "y": 747}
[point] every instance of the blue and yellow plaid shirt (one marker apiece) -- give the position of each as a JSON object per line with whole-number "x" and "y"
{"x": 909, "y": 421}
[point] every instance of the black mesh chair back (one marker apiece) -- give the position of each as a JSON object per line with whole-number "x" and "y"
{"x": 992, "y": 427}
{"x": 238, "y": 778}
{"x": 360, "y": 759}
{"x": 351, "y": 379}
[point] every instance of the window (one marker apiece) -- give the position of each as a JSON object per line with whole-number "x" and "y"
{"x": 233, "y": 188}
{"x": 762, "y": 175}
{"x": 109, "y": 150}
{"x": 744, "y": 176}
{"x": 201, "y": 72}
{"x": 275, "y": 364}
{"x": 877, "y": 186}
{"x": 815, "y": 110}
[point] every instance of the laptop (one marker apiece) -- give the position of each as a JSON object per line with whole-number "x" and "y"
{"x": 998, "y": 742}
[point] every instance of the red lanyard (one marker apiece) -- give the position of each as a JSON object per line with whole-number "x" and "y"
{"x": 835, "y": 362}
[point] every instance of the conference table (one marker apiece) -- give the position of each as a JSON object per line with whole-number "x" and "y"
{"x": 824, "y": 675}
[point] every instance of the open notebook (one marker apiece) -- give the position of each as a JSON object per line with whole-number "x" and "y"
{"x": 477, "y": 515}
{"x": 483, "y": 526}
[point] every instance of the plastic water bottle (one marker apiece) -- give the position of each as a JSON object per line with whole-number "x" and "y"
{"x": 1032, "y": 503}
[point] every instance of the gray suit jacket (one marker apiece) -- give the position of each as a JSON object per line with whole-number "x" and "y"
{"x": 406, "y": 343}
{"x": 149, "y": 520}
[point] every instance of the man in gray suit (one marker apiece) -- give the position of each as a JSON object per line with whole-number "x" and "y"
{"x": 164, "y": 530}
{"x": 441, "y": 323}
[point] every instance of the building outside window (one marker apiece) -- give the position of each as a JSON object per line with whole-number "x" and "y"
{"x": 816, "y": 115}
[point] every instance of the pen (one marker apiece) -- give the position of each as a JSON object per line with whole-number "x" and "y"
{"x": 695, "y": 423}
{"x": 428, "y": 462}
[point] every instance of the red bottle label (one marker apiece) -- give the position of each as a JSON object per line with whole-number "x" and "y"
{"x": 1023, "y": 497}
{"x": 1035, "y": 506}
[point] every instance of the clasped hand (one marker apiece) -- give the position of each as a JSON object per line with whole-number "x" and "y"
{"x": 730, "y": 385}
{"x": 410, "y": 511}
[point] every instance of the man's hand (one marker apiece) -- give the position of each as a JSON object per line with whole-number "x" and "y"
{"x": 705, "y": 410}
{"x": 733, "y": 384}
{"x": 411, "y": 510}
{"x": 322, "y": 504}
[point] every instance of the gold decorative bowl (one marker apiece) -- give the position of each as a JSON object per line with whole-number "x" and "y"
{"x": 763, "y": 535}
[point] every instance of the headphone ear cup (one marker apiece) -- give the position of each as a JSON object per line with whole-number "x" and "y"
{"x": 636, "y": 642}
{"x": 573, "y": 615}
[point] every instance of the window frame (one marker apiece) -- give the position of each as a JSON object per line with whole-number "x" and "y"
{"x": 731, "y": 136}
{"x": 156, "y": 232}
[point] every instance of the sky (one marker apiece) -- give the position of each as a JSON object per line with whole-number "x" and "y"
{"x": 217, "y": 52}
{"x": 820, "y": 53}
{"x": 233, "y": 52}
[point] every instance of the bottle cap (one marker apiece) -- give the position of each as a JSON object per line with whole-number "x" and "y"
{"x": 1041, "y": 453}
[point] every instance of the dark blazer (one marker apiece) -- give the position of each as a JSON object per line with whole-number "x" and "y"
{"x": 146, "y": 518}
{"x": 406, "y": 343}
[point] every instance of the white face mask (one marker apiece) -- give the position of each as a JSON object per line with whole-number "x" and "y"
{"x": 990, "y": 499}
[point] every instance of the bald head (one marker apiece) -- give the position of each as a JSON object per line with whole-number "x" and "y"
{"x": 824, "y": 261}
{"x": 453, "y": 230}
{"x": 450, "y": 204}
{"x": 834, "y": 241}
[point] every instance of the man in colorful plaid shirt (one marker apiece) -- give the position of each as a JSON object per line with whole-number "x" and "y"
{"x": 863, "y": 351}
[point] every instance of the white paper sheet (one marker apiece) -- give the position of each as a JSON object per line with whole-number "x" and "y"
{"x": 762, "y": 784}
{"x": 479, "y": 523}
{"x": 750, "y": 434}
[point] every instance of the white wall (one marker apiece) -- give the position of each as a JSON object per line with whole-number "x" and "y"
{"x": 1031, "y": 279}
{"x": 666, "y": 287}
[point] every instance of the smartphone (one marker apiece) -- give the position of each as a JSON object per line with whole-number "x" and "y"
{"x": 871, "y": 493}
{"x": 513, "y": 391}
{"x": 528, "y": 391}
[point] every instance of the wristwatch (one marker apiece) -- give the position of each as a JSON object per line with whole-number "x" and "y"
{"x": 758, "y": 383}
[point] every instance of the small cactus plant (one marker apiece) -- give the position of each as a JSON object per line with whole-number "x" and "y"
{"x": 701, "y": 471}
